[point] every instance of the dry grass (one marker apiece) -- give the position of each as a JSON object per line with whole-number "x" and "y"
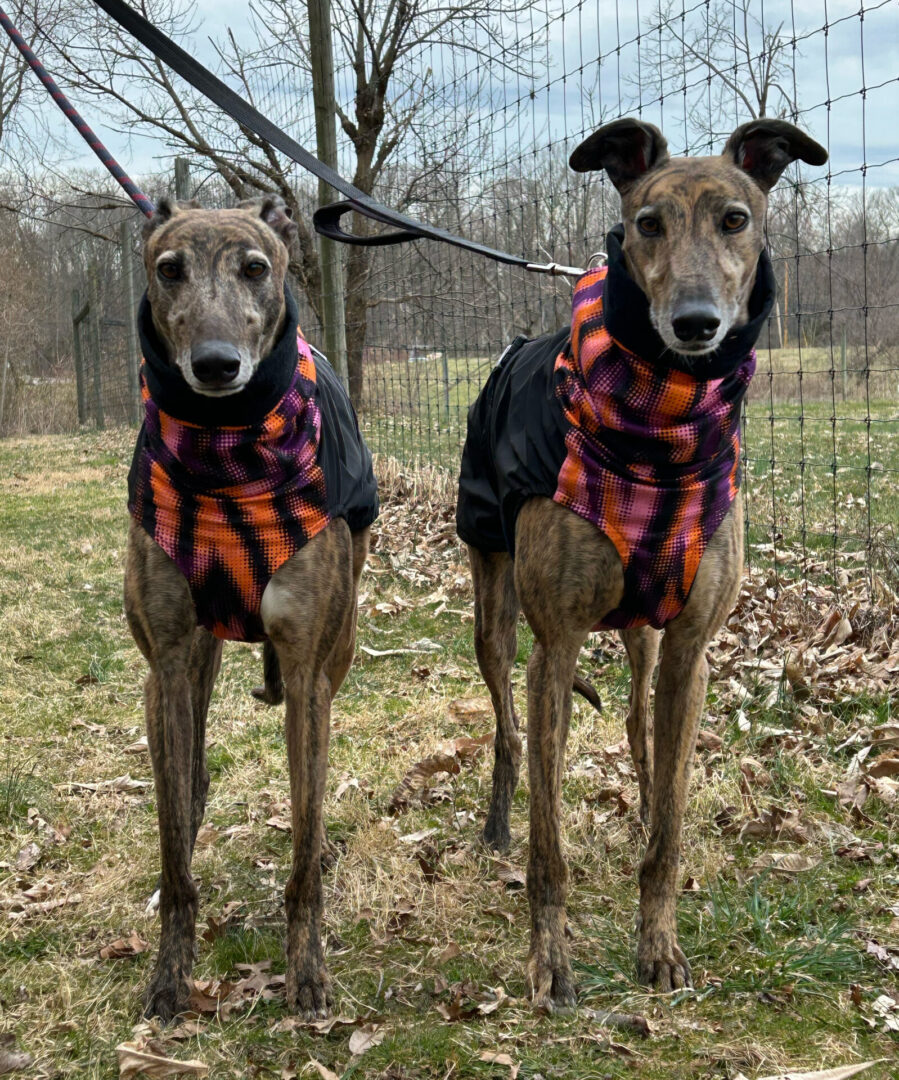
{"x": 423, "y": 929}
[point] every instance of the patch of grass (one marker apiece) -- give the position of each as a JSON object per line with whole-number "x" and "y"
{"x": 70, "y": 696}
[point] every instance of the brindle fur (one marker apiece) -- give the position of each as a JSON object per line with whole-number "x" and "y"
{"x": 308, "y": 610}
{"x": 566, "y": 575}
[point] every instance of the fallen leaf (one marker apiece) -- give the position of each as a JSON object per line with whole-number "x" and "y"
{"x": 626, "y": 1021}
{"x": 496, "y": 1058}
{"x": 416, "y": 778}
{"x": 499, "y": 999}
{"x": 365, "y": 1037}
{"x": 28, "y": 857}
{"x": 124, "y": 948}
{"x": 467, "y": 710}
{"x": 135, "y": 1060}
{"x": 323, "y": 1071}
{"x": 279, "y": 823}
{"x": 840, "y": 1073}
{"x": 885, "y": 765}
{"x": 784, "y": 863}
{"x": 513, "y": 877}
{"x": 12, "y": 1060}
{"x": 449, "y": 953}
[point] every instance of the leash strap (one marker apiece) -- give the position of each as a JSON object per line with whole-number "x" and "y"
{"x": 141, "y": 200}
{"x": 327, "y": 218}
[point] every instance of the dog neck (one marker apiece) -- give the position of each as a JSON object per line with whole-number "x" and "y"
{"x": 171, "y": 393}
{"x": 626, "y": 316}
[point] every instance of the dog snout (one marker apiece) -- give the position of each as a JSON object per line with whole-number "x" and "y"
{"x": 695, "y": 320}
{"x": 215, "y": 362}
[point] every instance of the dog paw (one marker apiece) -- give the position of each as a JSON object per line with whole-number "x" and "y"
{"x": 166, "y": 998}
{"x": 496, "y": 836}
{"x": 269, "y": 697}
{"x": 661, "y": 963}
{"x": 550, "y": 977}
{"x": 310, "y": 995}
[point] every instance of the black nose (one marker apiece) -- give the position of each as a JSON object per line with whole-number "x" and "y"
{"x": 215, "y": 362}
{"x": 695, "y": 321}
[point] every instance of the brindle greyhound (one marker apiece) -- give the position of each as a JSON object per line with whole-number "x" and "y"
{"x": 216, "y": 291}
{"x": 693, "y": 234}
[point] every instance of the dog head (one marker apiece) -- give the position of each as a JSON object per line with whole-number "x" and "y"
{"x": 215, "y": 282}
{"x": 694, "y": 227}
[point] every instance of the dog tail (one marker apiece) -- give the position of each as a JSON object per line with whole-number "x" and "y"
{"x": 588, "y": 691}
{"x": 272, "y": 693}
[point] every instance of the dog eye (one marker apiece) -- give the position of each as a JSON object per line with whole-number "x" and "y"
{"x": 734, "y": 221}
{"x": 649, "y": 226}
{"x": 255, "y": 269}
{"x": 171, "y": 271}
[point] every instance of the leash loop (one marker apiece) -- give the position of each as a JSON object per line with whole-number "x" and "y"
{"x": 326, "y": 219}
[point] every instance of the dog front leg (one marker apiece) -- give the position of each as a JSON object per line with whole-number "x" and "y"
{"x": 170, "y": 737}
{"x": 679, "y": 700}
{"x": 307, "y": 728}
{"x": 550, "y": 674}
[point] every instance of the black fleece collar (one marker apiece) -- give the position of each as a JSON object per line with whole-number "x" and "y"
{"x": 626, "y": 315}
{"x": 173, "y": 395}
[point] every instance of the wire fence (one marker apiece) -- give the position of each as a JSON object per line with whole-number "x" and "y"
{"x": 821, "y": 428}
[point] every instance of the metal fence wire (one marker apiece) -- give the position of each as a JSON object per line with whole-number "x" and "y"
{"x": 821, "y": 426}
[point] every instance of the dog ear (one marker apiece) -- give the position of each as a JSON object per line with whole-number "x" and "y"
{"x": 764, "y": 148}
{"x": 165, "y": 210}
{"x": 275, "y": 212}
{"x": 626, "y": 149}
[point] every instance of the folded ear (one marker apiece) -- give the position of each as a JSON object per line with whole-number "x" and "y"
{"x": 626, "y": 149}
{"x": 165, "y": 210}
{"x": 275, "y": 212}
{"x": 764, "y": 148}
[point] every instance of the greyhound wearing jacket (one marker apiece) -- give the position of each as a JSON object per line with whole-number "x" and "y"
{"x": 251, "y": 495}
{"x": 599, "y": 489}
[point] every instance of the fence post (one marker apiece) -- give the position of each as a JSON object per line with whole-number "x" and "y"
{"x": 94, "y": 316}
{"x": 843, "y": 363}
{"x": 80, "y": 388}
{"x": 182, "y": 179}
{"x": 3, "y": 386}
{"x": 333, "y": 310}
{"x": 133, "y": 359}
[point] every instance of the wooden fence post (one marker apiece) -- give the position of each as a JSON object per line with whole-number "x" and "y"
{"x": 133, "y": 359}
{"x": 333, "y": 310}
{"x": 94, "y": 317}
{"x": 182, "y": 179}
{"x": 78, "y": 314}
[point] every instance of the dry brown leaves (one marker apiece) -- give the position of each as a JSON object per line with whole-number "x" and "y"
{"x": 449, "y": 758}
{"x": 146, "y": 1057}
{"x": 820, "y": 642}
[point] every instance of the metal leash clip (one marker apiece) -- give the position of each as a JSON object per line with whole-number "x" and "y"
{"x": 556, "y": 269}
{"x": 601, "y": 257}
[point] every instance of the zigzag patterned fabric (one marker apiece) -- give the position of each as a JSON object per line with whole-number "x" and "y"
{"x": 230, "y": 505}
{"x": 652, "y": 459}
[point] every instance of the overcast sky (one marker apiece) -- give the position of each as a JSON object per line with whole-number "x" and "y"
{"x": 853, "y": 54}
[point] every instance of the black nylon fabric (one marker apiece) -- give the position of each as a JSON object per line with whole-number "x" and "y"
{"x": 343, "y": 454}
{"x": 515, "y": 445}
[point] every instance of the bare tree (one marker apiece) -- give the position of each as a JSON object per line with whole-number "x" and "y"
{"x": 396, "y": 104}
{"x": 20, "y": 94}
{"x": 728, "y": 61}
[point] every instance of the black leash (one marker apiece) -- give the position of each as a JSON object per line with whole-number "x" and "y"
{"x": 327, "y": 218}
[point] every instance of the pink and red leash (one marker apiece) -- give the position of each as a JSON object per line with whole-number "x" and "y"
{"x": 84, "y": 129}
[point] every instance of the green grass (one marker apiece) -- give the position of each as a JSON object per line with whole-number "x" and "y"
{"x": 774, "y": 956}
